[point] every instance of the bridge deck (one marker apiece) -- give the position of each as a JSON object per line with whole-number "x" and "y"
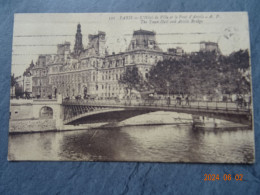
{"x": 76, "y": 109}
{"x": 196, "y": 106}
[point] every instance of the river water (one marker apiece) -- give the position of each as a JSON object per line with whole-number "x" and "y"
{"x": 160, "y": 143}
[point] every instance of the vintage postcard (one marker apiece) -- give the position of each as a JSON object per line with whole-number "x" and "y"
{"x": 155, "y": 87}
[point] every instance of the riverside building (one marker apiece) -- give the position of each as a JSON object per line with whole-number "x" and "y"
{"x": 91, "y": 71}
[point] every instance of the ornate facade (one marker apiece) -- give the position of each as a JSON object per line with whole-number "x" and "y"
{"x": 92, "y": 71}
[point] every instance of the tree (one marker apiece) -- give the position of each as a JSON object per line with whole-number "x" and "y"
{"x": 14, "y": 83}
{"x": 18, "y": 91}
{"x": 174, "y": 72}
{"x": 131, "y": 79}
{"x": 203, "y": 73}
{"x": 237, "y": 72}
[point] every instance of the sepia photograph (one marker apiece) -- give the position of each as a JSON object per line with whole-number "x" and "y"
{"x": 145, "y": 87}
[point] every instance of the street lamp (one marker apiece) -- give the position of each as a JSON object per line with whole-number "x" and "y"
{"x": 40, "y": 88}
{"x": 62, "y": 87}
{"x": 168, "y": 93}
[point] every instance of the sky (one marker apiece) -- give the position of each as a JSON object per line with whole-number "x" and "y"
{"x": 36, "y": 34}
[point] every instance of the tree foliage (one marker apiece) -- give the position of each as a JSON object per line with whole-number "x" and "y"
{"x": 203, "y": 74}
{"x": 13, "y": 81}
{"x": 131, "y": 78}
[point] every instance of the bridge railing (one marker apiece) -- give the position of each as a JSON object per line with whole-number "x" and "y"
{"x": 195, "y": 104}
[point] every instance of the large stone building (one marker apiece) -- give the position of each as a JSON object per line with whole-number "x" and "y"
{"x": 27, "y": 84}
{"x": 40, "y": 87}
{"x": 91, "y": 70}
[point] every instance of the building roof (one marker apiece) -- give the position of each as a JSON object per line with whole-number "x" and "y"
{"x": 208, "y": 43}
{"x": 143, "y": 32}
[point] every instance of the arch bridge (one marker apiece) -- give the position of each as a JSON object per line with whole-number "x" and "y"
{"x": 75, "y": 110}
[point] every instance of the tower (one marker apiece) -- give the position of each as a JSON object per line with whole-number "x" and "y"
{"x": 144, "y": 39}
{"x": 102, "y": 42}
{"x": 78, "y": 47}
{"x": 97, "y": 41}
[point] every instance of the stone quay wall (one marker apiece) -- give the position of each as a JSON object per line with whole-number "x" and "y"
{"x": 24, "y": 126}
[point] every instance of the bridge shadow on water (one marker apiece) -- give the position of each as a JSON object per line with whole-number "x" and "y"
{"x": 110, "y": 117}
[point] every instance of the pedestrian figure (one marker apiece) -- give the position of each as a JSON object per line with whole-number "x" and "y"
{"x": 178, "y": 100}
{"x": 239, "y": 101}
{"x": 168, "y": 101}
{"x": 187, "y": 101}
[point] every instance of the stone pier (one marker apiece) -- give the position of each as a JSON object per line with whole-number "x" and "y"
{"x": 36, "y": 115}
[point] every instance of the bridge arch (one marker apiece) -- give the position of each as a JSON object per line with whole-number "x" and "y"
{"x": 76, "y": 110}
{"x": 46, "y": 112}
{"x": 104, "y": 115}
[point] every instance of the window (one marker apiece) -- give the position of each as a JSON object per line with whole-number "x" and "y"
{"x": 126, "y": 59}
{"x": 133, "y": 58}
{"x": 146, "y": 75}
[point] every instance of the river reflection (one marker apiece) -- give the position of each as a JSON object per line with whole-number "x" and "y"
{"x": 161, "y": 143}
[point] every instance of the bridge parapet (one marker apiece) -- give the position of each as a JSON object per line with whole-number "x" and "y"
{"x": 164, "y": 104}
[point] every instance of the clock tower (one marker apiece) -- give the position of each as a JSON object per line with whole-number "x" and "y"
{"x": 78, "y": 47}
